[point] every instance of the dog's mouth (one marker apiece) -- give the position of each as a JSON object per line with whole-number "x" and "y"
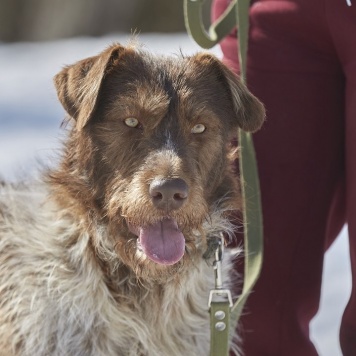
{"x": 162, "y": 242}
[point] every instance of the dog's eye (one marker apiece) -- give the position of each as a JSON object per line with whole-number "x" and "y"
{"x": 197, "y": 129}
{"x": 131, "y": 122}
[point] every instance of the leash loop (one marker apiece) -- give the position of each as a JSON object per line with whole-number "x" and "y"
{"x": 194, "y": 23}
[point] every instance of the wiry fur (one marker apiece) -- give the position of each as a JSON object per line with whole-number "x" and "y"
{"x": 72, "y": 281}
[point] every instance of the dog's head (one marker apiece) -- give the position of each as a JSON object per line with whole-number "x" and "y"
{"x": 148, "y": 151}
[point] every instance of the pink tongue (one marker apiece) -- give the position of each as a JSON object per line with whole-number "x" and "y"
{"x": 162, "y": 242}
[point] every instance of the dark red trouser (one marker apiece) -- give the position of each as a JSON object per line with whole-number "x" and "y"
{"x": 302, "y": 65}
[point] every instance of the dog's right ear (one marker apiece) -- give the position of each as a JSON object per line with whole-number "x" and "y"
{"x": 249, "y": 112}
{"x": 78, "y": 85}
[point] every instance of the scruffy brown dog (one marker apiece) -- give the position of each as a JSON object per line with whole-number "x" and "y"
{"x": 106, "y": 257}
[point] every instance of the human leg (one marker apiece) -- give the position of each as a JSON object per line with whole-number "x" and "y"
{"x": 293, "y": 69}
{"x": 348, "y": 325}
{"x": 342, "y": 27}
{"x": 300, "y": 173}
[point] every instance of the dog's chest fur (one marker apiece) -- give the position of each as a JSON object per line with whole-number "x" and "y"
{"x": 64, "y": 304}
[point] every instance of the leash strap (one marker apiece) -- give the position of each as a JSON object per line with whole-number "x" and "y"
{"x": 219, "y": 322}
{"x": 236, "y": 13}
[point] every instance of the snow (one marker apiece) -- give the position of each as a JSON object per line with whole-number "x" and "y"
{"x": 30, "y": 118}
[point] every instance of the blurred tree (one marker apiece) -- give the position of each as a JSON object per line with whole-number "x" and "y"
{"x": 33, "y": 20}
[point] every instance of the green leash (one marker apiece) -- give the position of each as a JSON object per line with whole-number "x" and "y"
{"x": 224, "y": 314}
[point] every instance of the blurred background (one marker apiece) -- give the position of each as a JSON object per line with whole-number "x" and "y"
{"x": 39, "y": 20}
{"x": 39, "y": 37}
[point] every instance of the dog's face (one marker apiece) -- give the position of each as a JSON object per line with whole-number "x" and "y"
{"x": 148, "y": 152}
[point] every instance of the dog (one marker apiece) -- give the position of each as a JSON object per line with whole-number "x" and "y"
{"x": 107, "y": 254}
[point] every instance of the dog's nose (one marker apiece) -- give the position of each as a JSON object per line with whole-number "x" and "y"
{"x": 168, "y": 194}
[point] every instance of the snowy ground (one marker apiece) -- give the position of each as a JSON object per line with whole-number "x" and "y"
{"x": 30, "y": 116}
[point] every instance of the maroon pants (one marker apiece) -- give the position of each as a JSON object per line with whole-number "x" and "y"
{"x": 302, "y": 65}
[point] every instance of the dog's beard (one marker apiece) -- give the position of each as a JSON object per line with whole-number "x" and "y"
{"x": 152, "y": 242}
{"x": 152, "y": 255}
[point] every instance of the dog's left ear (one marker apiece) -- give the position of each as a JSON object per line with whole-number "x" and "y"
{"x": 78, "y": 85}
{"x": 249, "y": 111}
